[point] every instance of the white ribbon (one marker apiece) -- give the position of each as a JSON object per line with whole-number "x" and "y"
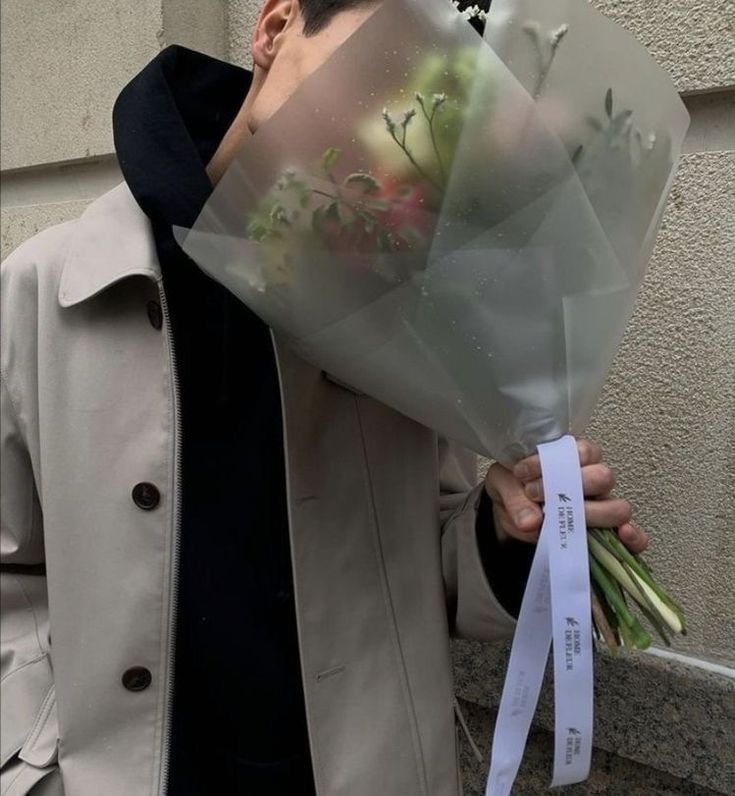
{"x": 556, "y": 605}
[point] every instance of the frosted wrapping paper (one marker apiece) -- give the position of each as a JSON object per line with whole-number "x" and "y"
{"x": 478, "y": 279}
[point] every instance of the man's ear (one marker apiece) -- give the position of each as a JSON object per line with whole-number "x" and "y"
{"x": 275, "y": 17}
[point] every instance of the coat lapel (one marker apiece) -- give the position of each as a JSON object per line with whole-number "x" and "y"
{"x": 112, "y": 241}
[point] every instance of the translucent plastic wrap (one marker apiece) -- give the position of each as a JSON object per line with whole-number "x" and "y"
{"x": 457, "y": 225}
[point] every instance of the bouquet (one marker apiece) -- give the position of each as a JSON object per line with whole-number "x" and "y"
{"x": 460, "y": 234}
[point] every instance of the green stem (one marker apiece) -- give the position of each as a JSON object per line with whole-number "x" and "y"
{"x": 430, "y": 120}
{"x": 606, "y": 554}
{"x": 409, "y": 155}
{"x": 643, "y": 572}
{"x": 612, "y": 595}
{"x": 632, "y": 631}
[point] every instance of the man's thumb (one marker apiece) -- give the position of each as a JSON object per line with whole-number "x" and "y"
{"x": 504, "y": 488}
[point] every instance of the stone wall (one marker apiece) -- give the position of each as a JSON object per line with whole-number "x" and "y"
{"x": 666, "y": 722}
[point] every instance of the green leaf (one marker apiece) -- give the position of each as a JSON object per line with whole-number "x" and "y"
{"x": 377, "y": 204}
{"x": 257, "y": 231}
{"x": 317, "y": 220}
{"x": 618, "y": 123}
{"x": 385, "y": 240}
{"x": 366, "y": 182}
{"x": 412, "y": 236}
{"x": 609, "y": 103}
{"x": 330, "y": 158}
{"x": 332, "y": 212}
{"x": 279, "y": 214}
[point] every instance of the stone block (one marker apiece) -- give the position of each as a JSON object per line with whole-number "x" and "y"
{"x": 242, "y": 15}
{"x": 21, "y": 223}
{"x": 675, "y": 716}
{"x": 611, "y": 774}
{"x": 667, "y": 414}
{"x": 63, "y": 64}
{"x": 694, "y": 40}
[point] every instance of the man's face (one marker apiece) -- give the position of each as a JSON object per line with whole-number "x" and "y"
{"x": 283, "y": 56}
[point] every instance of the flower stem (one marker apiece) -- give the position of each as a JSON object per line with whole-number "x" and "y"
{"x": 642, "y": 571}
{"x": 414, "y": 162}
{"x": 430, "y": 121}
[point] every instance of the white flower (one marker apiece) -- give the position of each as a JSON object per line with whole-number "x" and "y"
{"x": 471, "y": 12}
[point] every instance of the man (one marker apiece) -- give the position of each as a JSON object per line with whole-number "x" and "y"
{"x": 223, "y": 572}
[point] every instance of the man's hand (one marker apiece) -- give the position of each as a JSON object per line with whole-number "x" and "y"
{"x": 516, "y": 497}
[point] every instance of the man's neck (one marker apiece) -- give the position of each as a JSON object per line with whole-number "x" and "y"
{"x": 235, "y": 138}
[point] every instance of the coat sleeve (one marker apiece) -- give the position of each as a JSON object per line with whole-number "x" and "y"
{"x": 27, "y": 701}
{"x": 474, "y": 573}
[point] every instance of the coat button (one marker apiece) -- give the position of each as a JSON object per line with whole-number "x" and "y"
{"x": 155, "y": 314}
{"x": 146, "y": 496}
{"x": 137, "y": 678}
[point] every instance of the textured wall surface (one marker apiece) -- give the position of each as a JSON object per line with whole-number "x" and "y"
{"x": 242, "y": 16}
{"x": 667, "y": 415}
{"x": 57, "y": 96}
{"x": 693, "y": 39}
{"x": 63, "y": 64}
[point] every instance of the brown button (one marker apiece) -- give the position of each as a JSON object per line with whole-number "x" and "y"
{"x": 137, "y": 678}
{"x": 146, "y": 496}
{"x": 155, "y": 314}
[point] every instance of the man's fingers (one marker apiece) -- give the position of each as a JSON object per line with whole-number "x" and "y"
{"x": 530, "y": 469}
{"x": 633, "y": 537}
{"x": 597, "y": 481}
{"x": 505, "y": 490}
{"x": 503, "y": 519}
{"x": 610, "y": 513}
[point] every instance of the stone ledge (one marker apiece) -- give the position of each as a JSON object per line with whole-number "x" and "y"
{"x": 664, "y": 714}
{"x": 610, "y": 774}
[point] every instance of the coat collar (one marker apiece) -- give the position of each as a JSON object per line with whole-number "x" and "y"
{"x": 112, "y": 241}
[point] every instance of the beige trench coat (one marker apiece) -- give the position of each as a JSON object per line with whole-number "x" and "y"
{"x": 385, "y": 560}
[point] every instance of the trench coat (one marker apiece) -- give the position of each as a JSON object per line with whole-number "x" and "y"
{"x": 382, "y": 519}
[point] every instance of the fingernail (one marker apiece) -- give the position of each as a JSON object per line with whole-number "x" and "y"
{"x": 533, "y": 490}
{"x": 525, "y": 517}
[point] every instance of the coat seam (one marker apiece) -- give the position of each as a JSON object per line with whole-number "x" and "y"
{"x": 33, "y": 612}
{"x": 314, "y": 749}
{"x": 15, "y": 412}
{"x": 44, "y": 714}
{"x": 23, "y": 666}
{"x": 388, "y": 601}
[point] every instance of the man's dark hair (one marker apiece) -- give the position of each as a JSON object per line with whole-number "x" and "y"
{"x": 318, "y": 14}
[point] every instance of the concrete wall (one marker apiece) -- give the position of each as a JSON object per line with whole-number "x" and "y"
{"x": 667, "y": 416}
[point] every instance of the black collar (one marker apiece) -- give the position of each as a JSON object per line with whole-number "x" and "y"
{"x": 168, "y": 122}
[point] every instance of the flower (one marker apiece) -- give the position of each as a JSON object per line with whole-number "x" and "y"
{"x": 471, "y": 12}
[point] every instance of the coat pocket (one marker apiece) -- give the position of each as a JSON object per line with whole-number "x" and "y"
{"x": 19, "y": 778}
{"x": 32, "y": 768}
{"x": 27, "y": 696}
